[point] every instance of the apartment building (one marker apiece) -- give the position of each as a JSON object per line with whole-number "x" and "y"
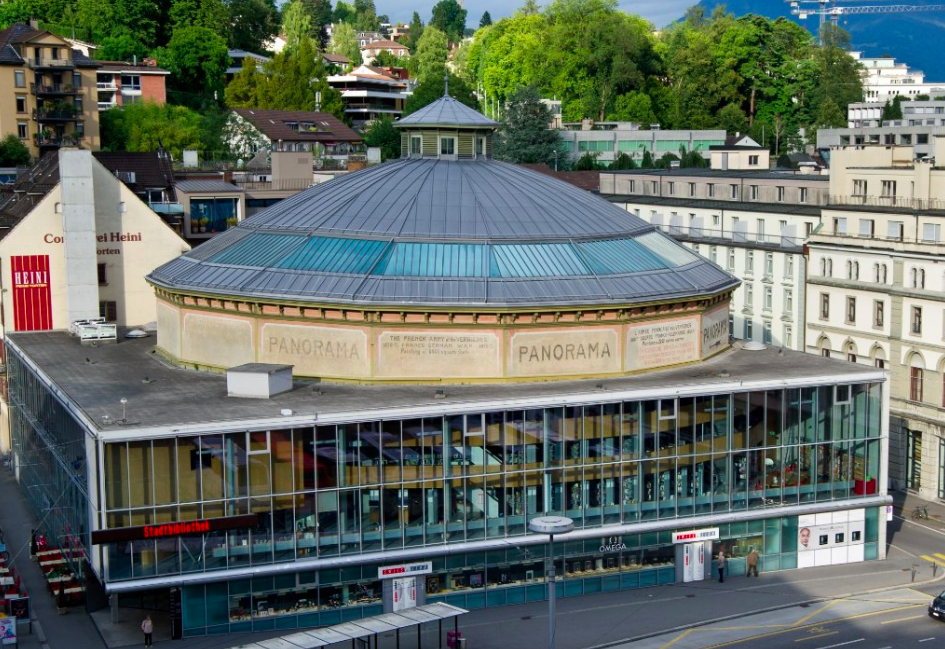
{"x": 119, "y": 83}
{"x": 884, "y": 78}
{"x": 370, "y": 93}
{"x": 47, "y": 91}
{"x": 876, "y": 295}
{"x": 607, "y": 140}
{"x": 752, "y": 224}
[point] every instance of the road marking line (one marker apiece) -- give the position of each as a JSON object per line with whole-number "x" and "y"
{"x": 815, "y": 637}
{"x": 818, "y": 611}
{"x": 940, "y": 562}
{"x": 677, "y": 638}
{"x": 903, "y": 619}
{"x": 927, "y": 639}
{"x": 940, "y": 555}
{"x": 841, "y": 644}
{"x": 730, "y": 643}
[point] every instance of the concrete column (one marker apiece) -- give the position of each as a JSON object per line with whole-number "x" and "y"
{"x": 78, "y": 229}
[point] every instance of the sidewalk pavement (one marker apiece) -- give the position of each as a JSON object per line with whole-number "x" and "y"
{"x": 592, "y": 621}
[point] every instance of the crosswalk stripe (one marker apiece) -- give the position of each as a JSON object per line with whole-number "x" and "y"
{"x": 940, "y": 555}
{"x": 935, "y": 559}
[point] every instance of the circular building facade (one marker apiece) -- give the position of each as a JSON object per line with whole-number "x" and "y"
{"x": 443, "y": 266}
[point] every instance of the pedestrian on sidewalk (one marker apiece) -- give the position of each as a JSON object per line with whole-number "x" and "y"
{"x": 752, "y": 561}
{"x": 147, "y": 627}
{"x": 721, "y": 566}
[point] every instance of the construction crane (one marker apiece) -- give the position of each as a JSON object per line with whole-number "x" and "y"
{"x": 833, "y": 9}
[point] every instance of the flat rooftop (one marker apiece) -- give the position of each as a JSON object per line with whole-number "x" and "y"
{"x": 162, "y": 399}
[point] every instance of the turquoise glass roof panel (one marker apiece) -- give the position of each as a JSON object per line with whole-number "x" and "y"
{"x": 668, "y": 249}
{"x": 336, "y": 255}
{"x": 536, "y": 260}
{"x": 617, "y": 256}
{"x": 435, "y": 260}
{"x": 259, "y": 250}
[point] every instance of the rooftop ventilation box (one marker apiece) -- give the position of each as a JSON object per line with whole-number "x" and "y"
{"x": 258, "y": 380}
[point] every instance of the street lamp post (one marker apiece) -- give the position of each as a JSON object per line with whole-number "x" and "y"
{"x": 551, "y": 525}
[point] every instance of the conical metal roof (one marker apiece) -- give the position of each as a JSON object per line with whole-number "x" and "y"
{"x": 445, "y": 233}
{"x": 446, "y": 111}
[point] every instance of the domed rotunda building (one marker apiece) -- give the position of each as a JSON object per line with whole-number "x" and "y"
{"x": 443, "y": 266}
{"x": 590, "y": 377}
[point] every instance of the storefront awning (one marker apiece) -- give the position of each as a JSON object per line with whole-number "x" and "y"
{"x": 348, "y": 631}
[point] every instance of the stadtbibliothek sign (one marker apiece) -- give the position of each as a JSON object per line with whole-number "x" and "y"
{"x": 171, "y": 530}
{"x": 405, "y": 570}
{"x": 708, "y": 534}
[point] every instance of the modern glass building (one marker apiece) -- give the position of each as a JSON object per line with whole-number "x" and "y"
{"x": 440, "y": 349}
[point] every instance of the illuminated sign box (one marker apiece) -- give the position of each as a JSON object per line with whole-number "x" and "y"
{"x": 173, "y": 530}
{"x": 708, "y": 534}
{"x": 406, "y": 569}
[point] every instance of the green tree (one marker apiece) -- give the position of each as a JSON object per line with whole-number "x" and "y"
{"x": 733, "y": 119}
{"x": 388, "y": 60}
{"x": 524, "y": 136}
{"x": 633, "y": 106}
{"x": 486, "y": 19}
{"x": 646, "y": 162}
{"x": 382, "y": 134}
{"x": 143, "y": 19}
{"x": 366, "y": 16}
{"x": 343, "y": 13}
{"x": 21, "y": 11}
{"x": 345, "y": 42}
{"x": 416, "y": 31}
{"x": 321, "y": 13}
{"x": 623, "y": 161}
{"x": 95, "y": 18}
{"x": 892, "y": 110}
{"x": 296, "y": 24}
{"x": 243, "y": 90}
{"x": 252, "y": 24}
{"x": 212, "y": 14}
{"x": 430, "y": 89}
{"x": 293, "y": 80}
{"x": 450, "y": 18}
{"x": 197, "y": 59}
{"x": 432, "y": 52}
{"x": 13, "y": 153}
{"x": 587, "y": 162}
{"x": 120, "y": 47}
{"x": 148, "y": 127}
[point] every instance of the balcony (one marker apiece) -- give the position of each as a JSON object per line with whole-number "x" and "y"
{"x": 106, "y": 85}
{"x": 61, "y": 114}
{"x": 897, "y": 203}
{"x": 52, "y": 64}
{"x": 107, "y": 105}
{"x": 40, "y": 89}
{"x": 55, "y": 141}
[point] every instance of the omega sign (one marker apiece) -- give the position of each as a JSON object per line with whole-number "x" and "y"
{"x": 613, "y": 544}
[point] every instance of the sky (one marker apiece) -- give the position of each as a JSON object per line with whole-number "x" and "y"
{"x": 659, "y": 12}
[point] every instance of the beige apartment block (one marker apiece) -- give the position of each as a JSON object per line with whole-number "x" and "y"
{"x": 876, "y": 295}
{"x": 48, "y": 97}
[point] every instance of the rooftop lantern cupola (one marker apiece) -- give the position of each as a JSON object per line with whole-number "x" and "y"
{"x": 446, "y": 129}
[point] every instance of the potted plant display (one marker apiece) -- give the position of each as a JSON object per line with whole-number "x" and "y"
{"x": 203, "y": 223}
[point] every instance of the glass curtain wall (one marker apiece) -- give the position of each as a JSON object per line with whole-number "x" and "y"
{"x": 385, "y": 485}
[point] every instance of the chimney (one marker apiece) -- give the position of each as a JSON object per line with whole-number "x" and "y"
{"x": 78, "y": 229}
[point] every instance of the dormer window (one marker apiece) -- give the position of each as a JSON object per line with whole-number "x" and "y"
{"x": 480, "y": 146}
{"x": 292, "y": 126}
{"x": 416, "y": 145}
{"x": 447, "y": 146}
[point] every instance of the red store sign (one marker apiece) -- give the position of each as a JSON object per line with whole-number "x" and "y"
{"x": 32, "y": 299}
{"x": 173, "y": 530}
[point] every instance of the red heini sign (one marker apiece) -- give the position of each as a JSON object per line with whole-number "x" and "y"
{"x": 32, "y": 299}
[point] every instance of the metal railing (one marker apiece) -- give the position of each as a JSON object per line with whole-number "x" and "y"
{"x": 68, "y": 114}
{"x": 65, "y": 64}
{"x": 898, "y": 202}
{"x": 106, "y": 105}
{"x": 54, "y": 140}
{"x": 285, "y": 184}
{"x": 53, "y": 89}
{"x": 106, "y": 85}
{"x": 726, "y": 236}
